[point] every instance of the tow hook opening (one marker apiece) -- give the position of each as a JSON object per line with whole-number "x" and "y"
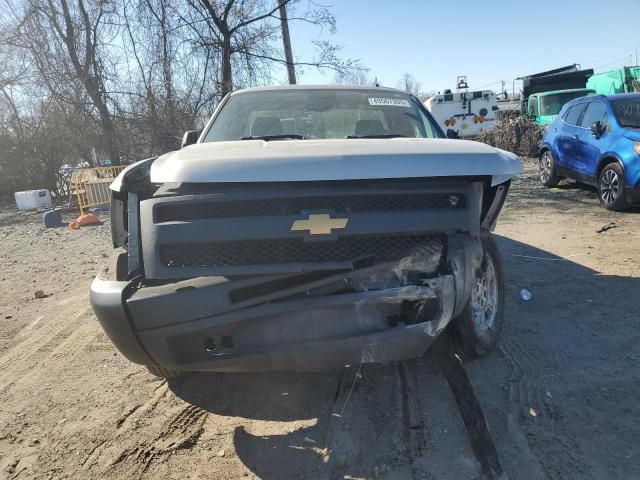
{"x": 414, "y": 311}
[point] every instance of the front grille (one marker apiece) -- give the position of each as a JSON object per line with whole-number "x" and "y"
{"x": 295, "y": 250}
{"x": 185, "y": 211}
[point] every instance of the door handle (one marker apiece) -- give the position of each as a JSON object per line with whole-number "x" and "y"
{"x": 576, "y": 137}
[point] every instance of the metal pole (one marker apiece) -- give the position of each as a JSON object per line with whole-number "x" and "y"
{"x": 286, "y": 40}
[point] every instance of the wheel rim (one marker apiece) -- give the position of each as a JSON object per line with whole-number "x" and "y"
{"x": 545, "y": 167}
{"x": 484, "y": 296}
{"x": 609, "y": 186}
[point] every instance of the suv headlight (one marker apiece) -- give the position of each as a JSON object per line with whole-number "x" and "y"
{"x": 636, "y": 147}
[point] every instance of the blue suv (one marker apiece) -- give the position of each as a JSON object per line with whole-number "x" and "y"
{"x": 596, "y": 140}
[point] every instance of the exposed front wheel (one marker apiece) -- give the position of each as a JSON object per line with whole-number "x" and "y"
{"x": 547, "y": 172}
{"x": 478, "y": 327}
{"x": 611, "y": 188}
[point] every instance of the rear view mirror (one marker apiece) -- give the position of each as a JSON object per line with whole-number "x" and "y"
{"x": 596, "y": 129}
{"x": 189, "y": 138}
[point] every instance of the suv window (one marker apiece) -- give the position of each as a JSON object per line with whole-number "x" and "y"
{"x": 595, "y": 112}
{"x": 628, "y": 112}
{"x": 573, "y": 114}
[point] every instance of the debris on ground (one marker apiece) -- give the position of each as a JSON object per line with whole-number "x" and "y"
{"x": 84, "y": 220}
{"x": 525, "y": 295}
{"x": 515, "y": 134}
{"x": 52, "y": 218}
{"x": 40, "y": 294}
{"x": 606, "y": 227}
{"x": 309, "y": 440}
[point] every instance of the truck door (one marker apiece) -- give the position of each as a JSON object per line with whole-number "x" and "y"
{"x": 567, "y": 137}
{"x": 532, "y": 108}
{"x": 592, "y": 148}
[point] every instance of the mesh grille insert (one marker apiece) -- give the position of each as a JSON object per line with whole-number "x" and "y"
{"x": 250, "y": 252}
{"x": 185, "y": 211}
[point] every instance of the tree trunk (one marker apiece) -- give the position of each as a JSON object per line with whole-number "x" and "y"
{"x": 286, "y": 40}
{"x": 227, "y": 81}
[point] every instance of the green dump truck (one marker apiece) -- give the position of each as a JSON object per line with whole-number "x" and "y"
{"x": 544, "y": 93}
{"x": 622, "y": 80}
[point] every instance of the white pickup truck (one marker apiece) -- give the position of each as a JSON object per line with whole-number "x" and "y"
{"x": 305, "y": 228}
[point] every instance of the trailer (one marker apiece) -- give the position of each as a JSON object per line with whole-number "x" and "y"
{"x": 464, "y": 114}
{"x": 622, "y": 80}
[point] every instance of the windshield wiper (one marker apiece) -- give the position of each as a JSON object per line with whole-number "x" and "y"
{"x": 283, "y": 136}
{"x": 382, "y": 135}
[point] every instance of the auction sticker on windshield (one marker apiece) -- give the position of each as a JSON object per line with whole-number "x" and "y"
{"x": 395, "y": 102}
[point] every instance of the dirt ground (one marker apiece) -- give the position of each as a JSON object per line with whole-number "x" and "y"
{"x": 560, "y": 395}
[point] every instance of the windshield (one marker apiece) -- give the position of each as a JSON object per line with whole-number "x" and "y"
{"x": 627, "y": 112}
{"x": 552, "y": 104}
{"x": 320, "y": 114}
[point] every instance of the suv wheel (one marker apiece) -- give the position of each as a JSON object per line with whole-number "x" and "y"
{"x": 548, "y": 174}
{"x": 477, "y": 329}
{"x": 611, "y": 188}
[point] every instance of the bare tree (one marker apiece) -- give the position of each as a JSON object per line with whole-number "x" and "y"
{"x": 128, "y": 76}
{"x": 64, "y": 38}
{"x": 410, "y": 85}
{"x": 172, "y": 81}
{"x": 358, "y": 76}
{"x": 248, "y": 32}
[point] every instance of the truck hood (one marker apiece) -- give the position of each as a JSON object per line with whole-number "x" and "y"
{"x": 339, "y": 159}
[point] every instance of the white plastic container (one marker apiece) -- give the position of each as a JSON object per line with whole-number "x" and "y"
{"x": 32, "y": 199}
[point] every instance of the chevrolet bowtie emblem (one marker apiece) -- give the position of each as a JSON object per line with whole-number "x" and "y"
{"x": 319, "y": 224}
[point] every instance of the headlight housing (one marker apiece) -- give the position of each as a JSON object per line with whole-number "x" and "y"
{"x": 636, "y": 147}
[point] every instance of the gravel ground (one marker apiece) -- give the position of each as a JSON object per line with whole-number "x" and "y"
{"x": 560, "y": 395}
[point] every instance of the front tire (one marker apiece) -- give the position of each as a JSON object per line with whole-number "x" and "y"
{"x": 611, "y": 188}
{"x": 547, "y": 170}
{"x": 476, "y": 331}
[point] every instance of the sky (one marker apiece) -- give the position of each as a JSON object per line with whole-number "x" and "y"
{"x": 487, "y": 40}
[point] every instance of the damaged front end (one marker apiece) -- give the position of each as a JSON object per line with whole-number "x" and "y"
{"x": 236, "y": 277}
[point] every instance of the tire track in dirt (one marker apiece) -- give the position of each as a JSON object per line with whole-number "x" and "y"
{"x": 412, "y": 418}
{"x": 385, "y": 409}
{"x": 180, "y": 432}
{"x": 47, "y": 346}
{"x": 104, "y": 454}
{"x": 532, "y": 414}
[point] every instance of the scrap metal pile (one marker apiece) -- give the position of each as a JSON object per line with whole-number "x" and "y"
{"x": 515, "y": 134}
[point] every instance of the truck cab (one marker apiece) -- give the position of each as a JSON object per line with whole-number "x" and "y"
{"x": 543, "y": 108}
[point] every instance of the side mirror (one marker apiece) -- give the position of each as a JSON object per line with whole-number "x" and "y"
{"x": 596, "y": 129}
{"x": 189, "y": 138}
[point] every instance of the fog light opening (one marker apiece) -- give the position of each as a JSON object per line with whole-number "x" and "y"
{"x": 215, "y": 344}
